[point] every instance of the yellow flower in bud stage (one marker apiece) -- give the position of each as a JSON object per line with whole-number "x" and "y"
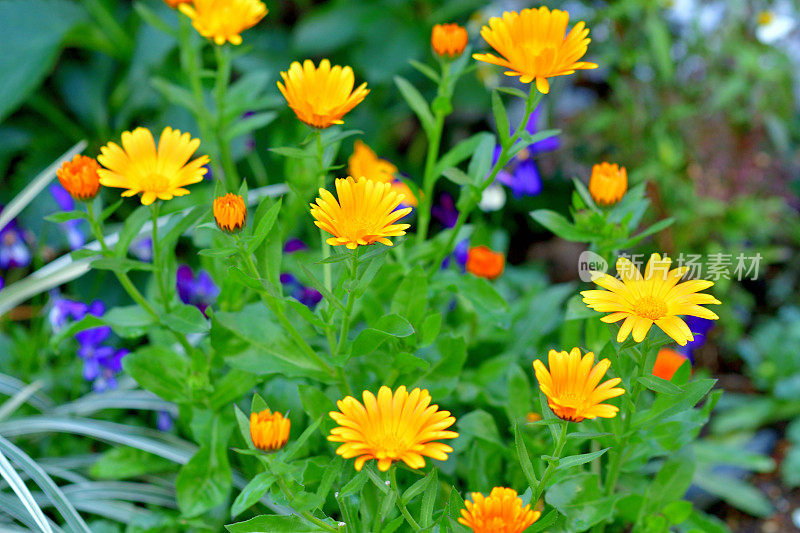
{"x": 608, "y": 183}
{"x": 321, "y": 96}
{"x": 655, "y": 298}
{"x": 138, "y": 167}
{"x": 571, "y": 385}
{"x": 501, "y": 512}
{"x": 365, "y": 213}
{"x": 223, "y": 20}
{"x": 449, "y": 39}
{"x": 269, "y": 431}
{"x": 79, "y": 177}
{"x": 365, "y": 163}
{"x": 230, "y": 212}
{"x": 534, "y": 45}
{"x": 399, "y": 426}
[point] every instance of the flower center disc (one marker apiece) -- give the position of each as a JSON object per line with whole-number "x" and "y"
{"x": 155, "y": 183}
{"x": 651, "y": 308}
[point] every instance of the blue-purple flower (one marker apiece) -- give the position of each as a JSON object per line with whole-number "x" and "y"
{"x": 101, "y": 363}
{"x": 142, "y": 249}
{"x": 63, "y": 310}
{"x": 460, "y": 255}
{"x": 445, "y": 211}
{"x": 308, "y": 296}
{"x": 72, "y": 228}
{"x": 200, "y": 291}
{"x": 14, "y": 252}
{"x": 700, "y": 328}
{"x": 294, "y": 245}
{"x": 521, "y": 174}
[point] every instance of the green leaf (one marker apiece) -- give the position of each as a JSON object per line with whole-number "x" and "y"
{"x": 736, "y": 492}
{"x": 481, "y": 162}
{"x": 273, "y": 524}
{"x": 218, "y": 252}
{"x": 457, "y": 176}
{"x": 204, "y": 482}
{"x": 657, "y": 384}
{"x": 251, "y": 123}
{"x": 264, "y": 224}
{"x": 231, "y": 387}
{"x": 460, "y": 152}
{"x": 513, "y": 91}
{"x": 120, "y": 265}
{"x": 418, "y": 487}
{"x": 124, "y": 463}
{"x": 479, "y": 425}
{"x": 429, "y": 499}
{"x": 150, "y": 16}
{"x": 252, "y": 492}
{"x": 176, "y": 94}
{"x": 160, "y": 371}
{"x": 65, "y": 216}
{"x": 128, "y": 321}
{"x": 426, "y": 70}
{"x": 559, "y": 225}
{"x": 443, "y": 377}
{"x": 297, "y": 444}
{"x": 31, "y": 32}
{"x": 524, "y": 458}
{"x": 417, "y": 103}
{"x": 580, "y": 499}
{"x": 130, "y": 229}
{"x": 186, "y": 319}
{"x": 292, "y": 152}
{"x": 500, "y": 119}
{"x": 575, "y": 460}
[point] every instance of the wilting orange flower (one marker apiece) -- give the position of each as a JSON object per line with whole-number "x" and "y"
{"x": 175, "y": 3}
{"x": 365, "y": 163}
{"x": 501, "y": 512}
{"x": 608, "y": 183}
{"x": 532, "y": 45}
{"x": 668, "y": 362}
{"x": 223, "y": 20}
{"x": 365, "y": 213}
{"x": 655, "y": 298}
{"x": 140, "y": 168}
{"x": 571, "y": 385}
{"x": 321, "y": 96}
{"x": 485, "y": 263}
{"x": 392, "y": 427}
{"x": 269, "y": 431}
{"x": 230, "y": 212}
{"x": 79, "y": 177}
{"x": 449, "y": 39}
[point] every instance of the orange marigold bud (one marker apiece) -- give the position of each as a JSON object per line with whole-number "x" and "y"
{"x": 269, "y": 431}
{"x": 485, "y": 263}
{"x": 667, "y": 363}
{"x": 608, "y": 183}
{"x": 79, "y": 177}
{"x": 449, "y": 39}
{"x": 230, "y": 212}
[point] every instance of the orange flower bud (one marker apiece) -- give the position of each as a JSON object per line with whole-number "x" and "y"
{"x": 79, "y": 177}
{"x": 269, "y": 431}
{"x": 449, "y": 39}
{"x": 230, "y": 212}
{"x": 608, "y": 183}
{"x": 485, "y": 263}
{"x": 667, "y": 363}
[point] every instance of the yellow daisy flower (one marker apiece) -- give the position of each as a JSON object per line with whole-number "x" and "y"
{"x": 534, "y": 45}
{"x": 365, "y": 163}
{"x": 608, "y": 183}
{"x": 365, "y": 213}
{"x": 655, "y": 298}
{"x": 392, "y": 427}
{"x": 501, "y": 512}
{"x": 571, "y": 385}
{"x": 269, "y": 431}
{"x": 321, "y": 96}
{"x": 140, "y": 168}
{"x": 223, "y": 20}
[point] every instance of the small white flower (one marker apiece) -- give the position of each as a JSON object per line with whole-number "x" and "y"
{"x": 773, "y": 27}
{"x": 493, "y": 199}
{"x": 336, "y": 494}
{"x": 387, "y": 483}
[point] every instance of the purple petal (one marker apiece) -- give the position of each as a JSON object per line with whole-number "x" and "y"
{"x": 294, "y": 245}
{"x": 309, "y": 297}
{"x": 91, "y": 369}
{"x": 185, "y": 283}
{"x": 164, "y": 421}
{"x": 526, "y": 180}
{"x": 142, "y": 249}
{"x": 62, "y": 197}
{"x": 287, "y": 279}
{"x": 461, "y": 253}
{"x": 205, "y": 289}
{"x": 93, "y": 336}
{"x": 445, "y": 211}
{"x": 97, "y": 308}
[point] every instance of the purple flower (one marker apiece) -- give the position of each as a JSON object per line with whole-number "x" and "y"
{"x": 14, "y": 252}
{"x": 288, "y": 279}
{"x": 521, "y": 174}
{"x": 63, "y": 310}
{"x": 307, "y": 296}
{"x": 460, "y": 254}
{"x": 72, "y": 230}
{"x": 142, "y": 249}
{"x": 101, "y": 364}
{"x": 164, "y": 421}
{"x": 294, "y": 245}
{"x": 700, "y": 327}
{"x": 445, "y": 211}
{"x": 2, "y": 283}
{"x": 200, "y": 291}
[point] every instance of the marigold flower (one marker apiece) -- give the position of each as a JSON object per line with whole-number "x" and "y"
{"x": 401, "y": 188}
{"x": 501, "y": 512}
{"x": 269, "y": 431}
{"x": 608, "y": 183}
{"x": 175, "y": 3}
{"x": 365, "y": 213}
{"x": 139, "y": 168}
{"x": 79, "y": 177}
{"x": 667, "y": 363}
{"x": 532, "y": 45}
{"x": 223, "y": 20}
{"x": 655, "y": 298}
{"x": 533, "y": 417}
{"x": 365, "y": 163}
{"x": 399, "y": 426}
{"x": 571, "y": 385}
{"x": 449, "y": 39}
{"x": 321, "y": 96}
{"x": 485, "y": 263}
{"x": 230, "y": 212}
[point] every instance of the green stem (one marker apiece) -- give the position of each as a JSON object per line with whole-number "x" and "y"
{"x": 107, "y": 21}
{"x": 305, "y": 514}
{"x": 161, "y": 282}
{"x": 559, "y": 449}
{"x": 327, "y": 277}
{"x": 221, "y": 88}
{"x": 349, "y": 305}
{"x": 530, "y": 104}
{"x": 410, "y": 519}
{"x": 428, "y": 177}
